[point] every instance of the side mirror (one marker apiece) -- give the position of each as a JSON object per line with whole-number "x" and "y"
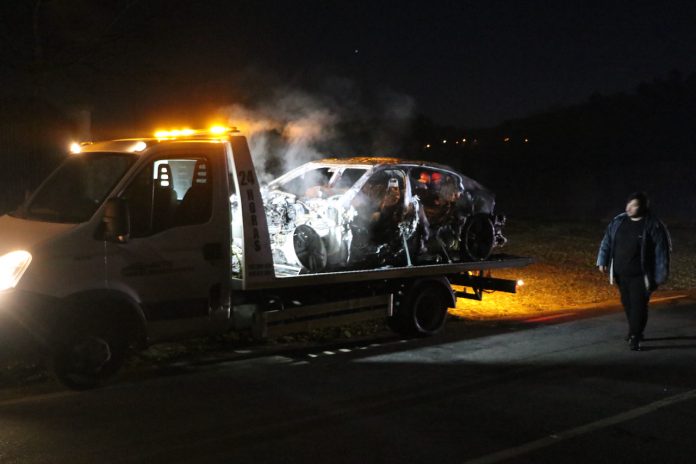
{"x": 116, "y": 220}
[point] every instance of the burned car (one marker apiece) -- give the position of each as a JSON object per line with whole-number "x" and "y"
{"x": 365, "y": 213}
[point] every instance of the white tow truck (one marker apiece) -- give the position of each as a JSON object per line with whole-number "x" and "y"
{"x": 132, "y": 242}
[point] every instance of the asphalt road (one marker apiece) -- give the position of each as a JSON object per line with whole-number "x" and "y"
{"x": 565, "y": 389}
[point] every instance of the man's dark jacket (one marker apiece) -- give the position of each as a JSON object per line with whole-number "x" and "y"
{"x": 655, "y": 249}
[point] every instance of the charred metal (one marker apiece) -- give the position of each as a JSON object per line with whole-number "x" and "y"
{"x": 367, "y": 213}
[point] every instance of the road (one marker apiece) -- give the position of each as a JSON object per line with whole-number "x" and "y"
{"x": 565, "y": 389}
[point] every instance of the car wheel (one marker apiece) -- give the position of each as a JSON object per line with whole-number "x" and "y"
{"x": 478, "y": 237}
{"x": 309, "y": 248}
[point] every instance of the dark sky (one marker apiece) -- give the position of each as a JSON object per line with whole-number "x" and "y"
{"x": 471, "y": 63}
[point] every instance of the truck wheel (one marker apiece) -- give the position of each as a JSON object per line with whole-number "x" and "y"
{"x": 86, "y": 356}
{"x": 478, "y": 236}
{"x": 423, "y": 310}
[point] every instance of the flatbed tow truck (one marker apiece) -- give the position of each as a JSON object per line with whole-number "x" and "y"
{"x": 131, "y": 242}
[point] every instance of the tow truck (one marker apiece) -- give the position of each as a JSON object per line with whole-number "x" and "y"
{"x": 132, "y": 242}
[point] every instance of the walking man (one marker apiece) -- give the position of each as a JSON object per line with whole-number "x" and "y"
{"x": 636, "y": 252}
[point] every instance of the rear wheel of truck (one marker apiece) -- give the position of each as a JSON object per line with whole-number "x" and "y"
{"x": 422, "y": 311}
{"x": 87, "y": 353}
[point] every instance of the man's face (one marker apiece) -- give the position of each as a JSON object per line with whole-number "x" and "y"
{"x": 633, "y": 208}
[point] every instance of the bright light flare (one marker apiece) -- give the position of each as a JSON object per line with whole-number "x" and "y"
{"x": 12, "y": 267}
{"x": 520, "y": 283}
{"x": 169, "y": 134}
{"x": 219, "y": 130}
{"x": 138, "y": 146}
{"x": 75, "y": 148}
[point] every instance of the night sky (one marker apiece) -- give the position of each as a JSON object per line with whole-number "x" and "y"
{"x": 463, "y": 63}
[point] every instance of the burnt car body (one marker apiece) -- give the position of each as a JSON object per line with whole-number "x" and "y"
{"x": 365, "y": 213}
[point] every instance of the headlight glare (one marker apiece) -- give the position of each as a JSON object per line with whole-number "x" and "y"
{"x": 12, "y": 267}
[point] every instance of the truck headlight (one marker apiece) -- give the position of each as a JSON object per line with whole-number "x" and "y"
{"x": 12, "y": 267}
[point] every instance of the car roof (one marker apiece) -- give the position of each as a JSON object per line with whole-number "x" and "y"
{"x": 380, "y": 160}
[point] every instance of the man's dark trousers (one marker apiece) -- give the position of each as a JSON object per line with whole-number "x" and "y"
{"x": 635, "y": 298}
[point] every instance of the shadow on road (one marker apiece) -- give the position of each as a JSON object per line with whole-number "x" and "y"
{"x": 665, "y": 339}
{"x": 676, "y": 346}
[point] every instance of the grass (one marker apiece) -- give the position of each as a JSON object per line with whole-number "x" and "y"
{"x": 564, "y": 275}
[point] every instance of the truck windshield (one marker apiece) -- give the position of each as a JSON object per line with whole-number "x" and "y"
{"x": 77, "y": 187}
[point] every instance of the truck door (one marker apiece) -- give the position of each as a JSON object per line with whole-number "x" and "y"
{"x": 176, "y": 263}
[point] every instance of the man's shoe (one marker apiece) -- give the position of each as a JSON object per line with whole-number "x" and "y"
{"x": 634, "y": 343}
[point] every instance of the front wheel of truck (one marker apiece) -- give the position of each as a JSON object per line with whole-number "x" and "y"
{"x": 88, "y": 353}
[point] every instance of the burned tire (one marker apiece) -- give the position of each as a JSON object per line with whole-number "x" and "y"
{"x": 310, "y": 249}
{"x": 477, "y": 239}
{"x": 423, "y": 309}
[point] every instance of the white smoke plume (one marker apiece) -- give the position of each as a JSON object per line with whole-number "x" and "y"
{"x": 292, "y": 127}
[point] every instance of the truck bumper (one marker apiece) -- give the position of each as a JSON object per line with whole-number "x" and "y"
{"x": 24, "y": 323}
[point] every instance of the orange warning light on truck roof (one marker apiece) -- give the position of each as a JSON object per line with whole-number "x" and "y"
{"x": 214, "y": 131}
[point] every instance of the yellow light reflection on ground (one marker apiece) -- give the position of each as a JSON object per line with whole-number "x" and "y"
{"x": 545, "y": 291}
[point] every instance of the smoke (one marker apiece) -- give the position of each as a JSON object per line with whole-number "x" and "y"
{"x": 291, "y": 126}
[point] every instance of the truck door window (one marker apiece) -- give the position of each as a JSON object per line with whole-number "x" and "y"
{"x": 168, "y": 193}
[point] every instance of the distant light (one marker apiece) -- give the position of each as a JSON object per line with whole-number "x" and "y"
{"x": 444, "y": 141}
{"x": 464, "y": 140}
{"x": 526, "y": 140}
{"x": 75, "y": 148}
{"x": 138, "y": 146}
{"x": 162, "y": 134}
{"x": 506, "y": 139}
{"x": 427, "y": 146}
{"x": 457, "y": 142}
{"x": 520, "y": 283}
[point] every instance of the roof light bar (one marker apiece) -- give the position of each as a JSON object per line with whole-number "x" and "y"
{"x": 213, "y": 131}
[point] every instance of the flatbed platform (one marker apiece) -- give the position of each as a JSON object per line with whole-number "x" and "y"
{"x": 496, "y": 261}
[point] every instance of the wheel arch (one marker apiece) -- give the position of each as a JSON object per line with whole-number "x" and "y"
{"x": 119, "y": 304}
{"x": 441, "y": 280}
